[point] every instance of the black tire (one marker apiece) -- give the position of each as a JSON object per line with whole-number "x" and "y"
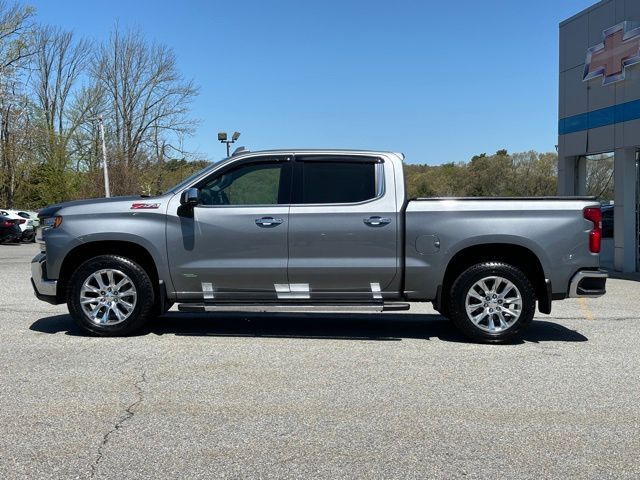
{"x": 458, "y": 296}
{"x": 144, "y": 307}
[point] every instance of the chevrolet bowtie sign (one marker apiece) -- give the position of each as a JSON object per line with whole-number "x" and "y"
{"x": 619, "y": 50}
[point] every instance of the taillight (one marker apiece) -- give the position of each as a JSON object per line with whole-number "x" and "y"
{"x": 21, "y": 221}
{"x": 594, "y": 215}
{"x": 7, "y": 223}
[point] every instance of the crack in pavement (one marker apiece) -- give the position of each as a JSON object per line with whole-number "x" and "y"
{"x": 128, "y": 414}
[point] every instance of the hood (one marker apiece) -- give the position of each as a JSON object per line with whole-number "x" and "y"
{"x": 51, "y": 210}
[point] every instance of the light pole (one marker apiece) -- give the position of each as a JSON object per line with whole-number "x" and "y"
{"x": 222, "y": 138}
{"x": 105, "y": 168}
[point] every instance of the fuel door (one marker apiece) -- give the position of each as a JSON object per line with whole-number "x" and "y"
{"x": 428, "y": 244}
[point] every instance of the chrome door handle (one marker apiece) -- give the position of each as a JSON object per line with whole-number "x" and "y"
{"x": 377, "y": 221}
{"x": 268, "y": 221}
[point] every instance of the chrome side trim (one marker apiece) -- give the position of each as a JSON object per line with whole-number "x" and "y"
{"x": 578, "y": 277}
{"x": 43, "y": 286}
{"x": 292, "y": 291}
{"x": 207, "y": 291}
{"x": 376, "y": 291}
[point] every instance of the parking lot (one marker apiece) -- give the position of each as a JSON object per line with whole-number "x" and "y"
{"x": 317, "y": 396}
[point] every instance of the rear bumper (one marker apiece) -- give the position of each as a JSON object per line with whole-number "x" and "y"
{"x": 588, "y": 284}
{"x": 45, "y": 289}
{"x": 10, "y": 239}
{"x": 12, "y": 235}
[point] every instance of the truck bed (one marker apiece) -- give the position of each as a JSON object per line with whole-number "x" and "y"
{"x": 552, "y": 228}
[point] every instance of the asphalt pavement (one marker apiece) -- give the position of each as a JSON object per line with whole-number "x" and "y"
{"x": 398, "y": 395}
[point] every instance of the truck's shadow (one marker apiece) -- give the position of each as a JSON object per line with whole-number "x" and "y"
{"x": 388, "y": 327}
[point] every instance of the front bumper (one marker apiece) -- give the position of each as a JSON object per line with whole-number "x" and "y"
{"x": 588, "y": 284}
{"x": 45, "y": 289}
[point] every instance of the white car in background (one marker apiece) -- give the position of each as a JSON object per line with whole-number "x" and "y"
{"x": 27, "y": 223}
{"x": 29, "y": 215}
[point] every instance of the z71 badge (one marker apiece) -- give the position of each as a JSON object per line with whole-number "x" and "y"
{"x": 145, "y": 206}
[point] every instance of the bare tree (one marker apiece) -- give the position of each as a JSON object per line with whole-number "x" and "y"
{"x": 147, "y": 99}
{"x": 599, "y": 181}
{"x": 85, "y": 144}
{"x": 59, "y": 62}
{"x": 15, "y": 49}
{"x": 16, "y": 152}
{"x": 15, "y": 26}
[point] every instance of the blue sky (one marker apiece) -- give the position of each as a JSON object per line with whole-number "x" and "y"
{"x": 439, "y": 81}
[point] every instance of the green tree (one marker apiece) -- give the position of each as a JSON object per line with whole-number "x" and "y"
{"x": 503, "y": 174}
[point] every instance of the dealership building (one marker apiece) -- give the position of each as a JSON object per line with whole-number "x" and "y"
{"x": 600, "y": 113}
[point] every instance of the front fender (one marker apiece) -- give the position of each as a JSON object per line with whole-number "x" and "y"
{"x": 149, "y": 235}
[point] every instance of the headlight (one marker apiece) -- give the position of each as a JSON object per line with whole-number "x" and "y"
{"x": 52, "y": 222}
{"x": 46, "y": 224}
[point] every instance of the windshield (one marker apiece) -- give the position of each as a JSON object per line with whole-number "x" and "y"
{"x": 189, "y": 179}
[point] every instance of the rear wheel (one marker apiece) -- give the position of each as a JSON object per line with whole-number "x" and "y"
{"x": 110, "y": 295}
{"x": 491, "y": 302}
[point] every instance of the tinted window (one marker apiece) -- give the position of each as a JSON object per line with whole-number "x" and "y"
{"x": 189, "y": 179}
{"x": 337, "y": 182}
{"x": 255, "y": 184}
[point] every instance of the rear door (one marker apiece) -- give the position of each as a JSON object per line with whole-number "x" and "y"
{"x": 343, "y": 227}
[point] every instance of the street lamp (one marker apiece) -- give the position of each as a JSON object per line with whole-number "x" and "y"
{"x": 105, "y": 168}
{"x": 222, "y": 138}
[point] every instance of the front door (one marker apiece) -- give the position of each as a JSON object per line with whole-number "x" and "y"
{"x": 233, "y": 245}
{"x": 343, "y": 227}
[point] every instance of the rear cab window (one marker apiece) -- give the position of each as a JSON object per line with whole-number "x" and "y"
{"x": 326, "y": 179}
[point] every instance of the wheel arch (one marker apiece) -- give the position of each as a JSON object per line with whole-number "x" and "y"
{"x": 517, "y": 255}
{"x": 127, "y": 249}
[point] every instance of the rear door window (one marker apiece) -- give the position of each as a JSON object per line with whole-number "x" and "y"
{"x": 335, "y": 180}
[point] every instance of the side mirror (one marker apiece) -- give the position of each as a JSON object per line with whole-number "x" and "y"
{"x": 190, "y": 197}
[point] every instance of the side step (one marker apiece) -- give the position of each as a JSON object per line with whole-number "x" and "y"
{"x": 292, "y": 307}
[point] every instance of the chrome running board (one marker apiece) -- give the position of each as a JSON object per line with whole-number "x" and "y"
{"x": 293, "y": 307}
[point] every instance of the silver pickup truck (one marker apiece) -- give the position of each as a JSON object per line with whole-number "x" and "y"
{"x": 321, "y": 230}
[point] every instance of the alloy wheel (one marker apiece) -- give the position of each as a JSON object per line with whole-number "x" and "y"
{"x": 493, "y": 304}
{"x": 108, "y": 297}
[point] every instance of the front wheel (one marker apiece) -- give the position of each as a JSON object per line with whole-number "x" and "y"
{"x": 110, "y": 295}
{"x": 492, "y": 302}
